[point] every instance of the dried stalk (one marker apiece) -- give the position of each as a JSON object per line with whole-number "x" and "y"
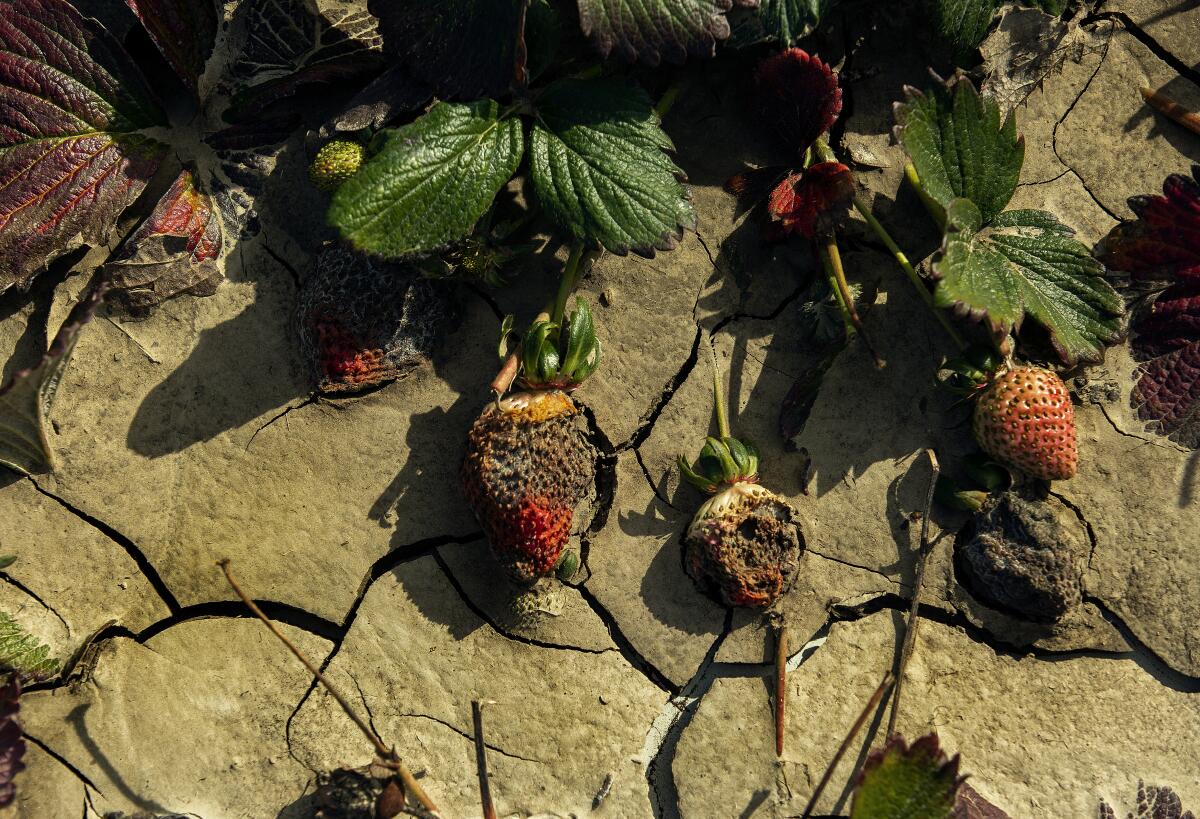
{"x": 910, "y": 629}
{"x": 387, "y": 756}
{"x": 1172, "y": 109}
{"x": 781, "y": 658}
{"x": 485, "y": 787}
{"x": 872, "y": 703}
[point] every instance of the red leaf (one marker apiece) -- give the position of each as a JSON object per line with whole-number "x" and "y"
{"x": 1163, "y": 246}
{"x": 798, "y": 96}
{"x": 12, "y": 744}
{"x": 175, "y": 251}
{"x": 970, "y": 805}
{"x": 183, "y": 30}
{"x": 69, "y": 98}
{"x": 1164, "y": 241}
{"x": 812, "y": 202}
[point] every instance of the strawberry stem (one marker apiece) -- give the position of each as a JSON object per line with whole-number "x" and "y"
{"x": 1172, "y": 109}
{"x": 568, "y": 282}
{"x": 485, "y": 787}
{"x": 831, "y": 257}
{"x": 666, "y": 101}
{"x": 880, "y": 231}
{"x": 719, "y": 399}
{"x": 781, "y": 658}
{"x": 936, "y": 211}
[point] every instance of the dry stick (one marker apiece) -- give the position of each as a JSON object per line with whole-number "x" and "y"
{"x": 781, "y": 658}
{"x": 485, "y": 787}
{"x": 387, "y": 755}
{"x": 910, "y": 630}
{"x": 1172, "y": 109}
{"x": 884, "y": 685}
{"x": 832, "y": 258}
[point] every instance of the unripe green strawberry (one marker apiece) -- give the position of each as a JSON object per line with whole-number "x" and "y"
{"x": 336, "y": 162}
{"x": 1024, "y": 419}
{"x": 744, "y": 545}
{"x": 528, "y": 465}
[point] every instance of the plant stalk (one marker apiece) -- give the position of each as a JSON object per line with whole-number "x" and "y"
{"x": 872, "y": 703}
{"x": 1172, "y": 109}
{"x": 719, "y": 399}
{"x": 386, "y": 754}
{"x": 910, "y": 629}
{"x": 667, "y": 101}
{"x": 936, "y": 211}
{"x": 781, "y": 658}
{"x": 831, "y": 257}
{"x": 568, "y": 282}
{"x": 485, "y": 787}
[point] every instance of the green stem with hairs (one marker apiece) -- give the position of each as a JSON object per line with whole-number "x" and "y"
{"x": 719, "y": 399}
{"x": 831, "y": 258}
{"x": 568, "y": 283}
{"x": 936, "y": 211}
{"x": 667, "y": 101}
{"x": 826, "y": 154}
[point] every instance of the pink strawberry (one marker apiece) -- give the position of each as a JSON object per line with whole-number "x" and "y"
{"x": 1024, "y": 419}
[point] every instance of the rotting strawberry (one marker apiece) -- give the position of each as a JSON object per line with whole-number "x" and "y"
{"x": 529, "y": 463}
{"x": 743, "y": 546}
{"x": 1024, "y": 419}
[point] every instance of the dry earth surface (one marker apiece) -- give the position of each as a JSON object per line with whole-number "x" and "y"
{"x": 195, "y": 435}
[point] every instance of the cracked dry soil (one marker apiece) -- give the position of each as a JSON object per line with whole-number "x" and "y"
{"x": 194, "y": 436}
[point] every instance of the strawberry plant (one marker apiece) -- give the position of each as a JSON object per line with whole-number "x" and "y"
{"x": 1160, "y": 253}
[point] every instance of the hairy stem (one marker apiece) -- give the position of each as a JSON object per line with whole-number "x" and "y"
{"x": 872, "y": 703}
{"x": 831, "y": 258}
{"x": 910, "y": 629}
{"x": 936, "y": 211}
{"x": 568, "y": 282}
{"x": 386, "y": 754}
{"x": 719, "y": 399}
{"x": 667, "y": 101}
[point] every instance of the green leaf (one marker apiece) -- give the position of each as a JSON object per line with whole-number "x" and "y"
{"x": 600, "y": 168}
{"x": 23, "y": 653}
{"x": 653, "y": 31}
{"x": 781, "y": 21}
{"x": 430, "y": 181}
{"x": 7, "y": 560}
{"x": 959, "y": 146}
{"x": 903, "y": 782}
{"x": 1027, "y": 264}
{"x": 26, "y": 399}
{"x": 960, "y": 24}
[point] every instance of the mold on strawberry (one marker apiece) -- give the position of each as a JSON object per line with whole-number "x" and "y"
{"x": 365, "y": 322}
{"x": 529, "y": 462}
{"x": 1026, "y": 555}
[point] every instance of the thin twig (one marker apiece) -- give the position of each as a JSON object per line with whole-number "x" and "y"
{"x": 781, "y": 658}
{"x": 872, "y": 703}
{"x": 485, "y": 787}
{"x": 386, "y": 754}
{"x": 832, "y": 259}
{"x": 1172, "y": 109}
{"x": 910, "y": 629}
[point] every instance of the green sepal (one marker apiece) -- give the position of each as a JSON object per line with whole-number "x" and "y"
{"x": 722, "y": 461}
{"x": 540, "y": 362}
{"x": 947, "y": 493}
{"x": 987, "y": 473}
{"x": 506, "y": 333}
{"x": 581, "y": 338}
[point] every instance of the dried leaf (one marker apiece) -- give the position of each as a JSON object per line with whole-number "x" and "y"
{"x": 70, "y": 163}
{"x": 1162, "y": 247}
{"x": 798, "y": 97}
{"x": 183, "y": 30}
{"x": 174, "y": 251}
{"x": 970, "y": 805}
{"x": 12, "y": 743}
{"x": 1152, "y": 803}
{"x": 26, "y": 399}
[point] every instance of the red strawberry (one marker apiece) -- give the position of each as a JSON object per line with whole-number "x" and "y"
{"x": 529, "y": 462}
{"x": 528, "y": 465}
{"x": 1024, "y": 419}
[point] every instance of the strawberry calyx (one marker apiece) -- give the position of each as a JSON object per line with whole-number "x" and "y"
{"x": 723, "y": 462}
{"x": 974, "y": 370}
{"x": 559, "y": 355}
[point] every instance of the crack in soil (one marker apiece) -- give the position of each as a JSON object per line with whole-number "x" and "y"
{"x": 131, "y": 549}
{"x": 17, "y": 584}
{"x": 313, "y": 398}
{"x": 646, "y": 425}
{"x": 1145, "y": 38}
{"x": 62, "y": 760}
{"x": 471, "y": 737}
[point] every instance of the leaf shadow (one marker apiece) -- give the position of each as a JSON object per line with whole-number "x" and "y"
{"x": 1184, "y": 92}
